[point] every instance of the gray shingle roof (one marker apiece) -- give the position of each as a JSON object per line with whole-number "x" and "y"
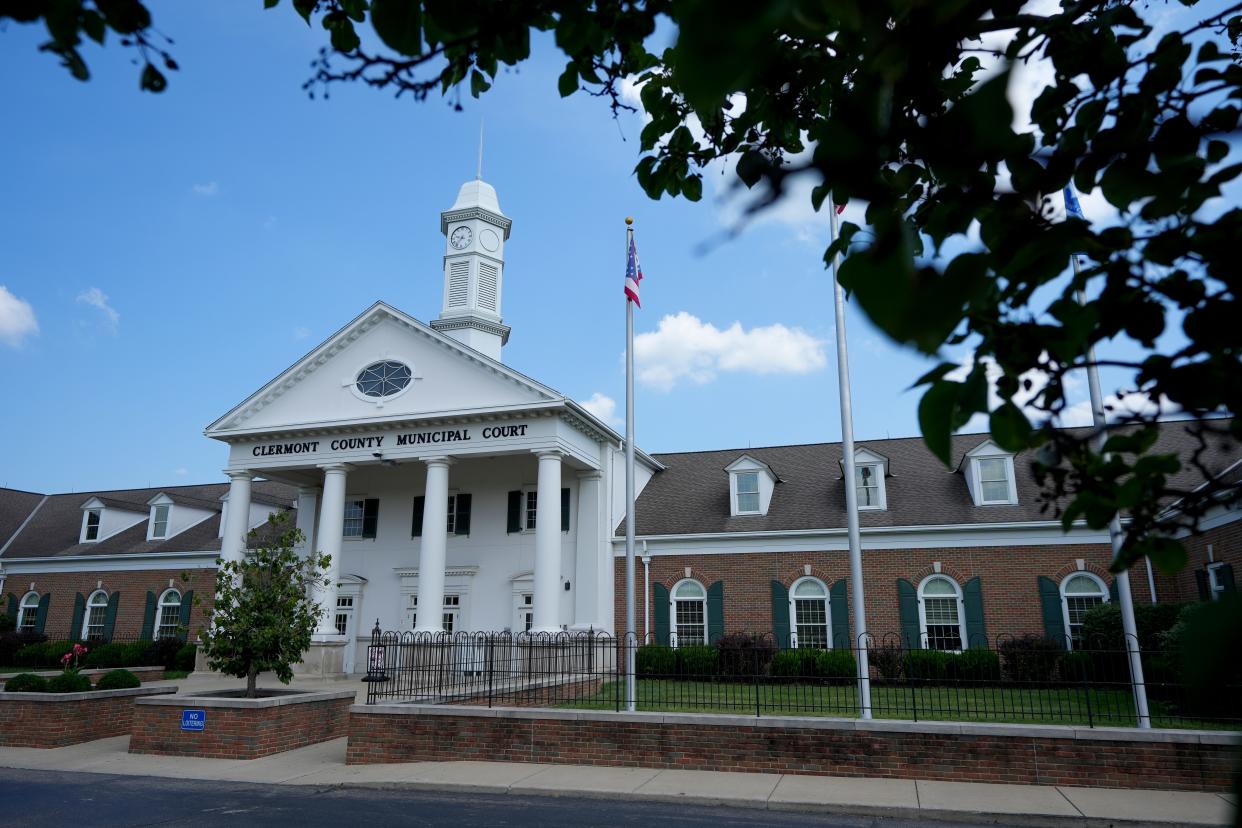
{"x": 691, "y": 496}
{"x": 56, "y": 526}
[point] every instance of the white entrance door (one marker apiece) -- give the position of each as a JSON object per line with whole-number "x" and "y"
{"x": 345, "y": 626}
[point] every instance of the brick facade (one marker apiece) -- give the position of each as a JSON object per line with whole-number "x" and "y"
{"x": 49, "y": 720}
{"x": 1182, "y": 760}
{"x": 1226, "y": 543}
{"x": 131, "y": 609}
{"x": 240, "y": 732}
{"x": 1008, "y": 577}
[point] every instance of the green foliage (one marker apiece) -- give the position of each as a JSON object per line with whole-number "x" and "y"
{"x": 655, "y": 660}
{"x": 163, "y": 652}
{"x": 47, "y": 654}
{"x": 888, "y": 660}
{"x": 742, "y": 655}
{"x": 977, "y": 665}
{"x": 792, "y": 663}
{"x": 1030, "y": 658}
{"x": 7, "y": 623}
{"x": 26, "y": 683}
{"x": 11, "y": 642}
{"x": 116, "y": 654}
{"x": 68, "y": 682}
{"x": 264, "y": 613}
{"x": 183, "y": 661}
{"x": 928, "y": 665}
{"x": 698, "y": 660}
{"x": 1202, "y": 646}
{"x": 1102, "y": 629}
{"x": 117, "y": 680}
{"x": 837, "y": 666}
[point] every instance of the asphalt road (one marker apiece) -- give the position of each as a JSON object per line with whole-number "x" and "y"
{"x": 83, "y": 799}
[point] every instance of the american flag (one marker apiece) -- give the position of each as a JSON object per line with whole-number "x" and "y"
{"x": 633, "y": 274}
{"x": 1072, "y": 208}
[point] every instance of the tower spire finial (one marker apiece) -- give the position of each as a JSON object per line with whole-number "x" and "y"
{"x": 479, "y": 172}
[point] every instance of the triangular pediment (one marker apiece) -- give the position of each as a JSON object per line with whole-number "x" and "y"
{"x": 321, "y": 388}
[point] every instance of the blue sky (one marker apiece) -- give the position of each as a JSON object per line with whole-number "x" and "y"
{"x": 176, "y": 251}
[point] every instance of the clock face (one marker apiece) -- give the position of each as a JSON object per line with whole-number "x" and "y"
{"x": 460, "y": 238}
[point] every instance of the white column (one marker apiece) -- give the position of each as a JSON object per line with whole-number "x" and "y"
{"x": 587, "y": 553}
{"x": 236, "y": 517}
{"x": 308, "y": 505}
{"x": 331, "y": 530}
{"x": 434, "y": 546}
{"x": 548, "y": 543}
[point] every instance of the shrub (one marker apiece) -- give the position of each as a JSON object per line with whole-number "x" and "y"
{"x": 7, "y": 623}
{"x": 1078, "y": 667}
{"x": 163, "y": 652}
{"x": 26, "y": 683}
{"x": 68, "y": 683}
{"x": 699, "y": 660}
{"x": 115, "y": 655}
{"x": 47, "y": 654}
{"x": 743, "y": 655}
{"x": 977, "y": 665}
{"x": 117, "y": 680}
{"x": 1102, "y": 630}
{"x": 788, "y": 663}
{"x": 649, "y": 660}
{"x": 184, "y": 660}
{"x": 837, "y": 666}
{"x": 928, "y": 665}
{"x": 888, "y": 660}
{"x": 11, "y": 642}
{"x": 1031, "y": 658}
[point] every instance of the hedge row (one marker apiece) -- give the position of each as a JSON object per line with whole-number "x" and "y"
{"x": 168, "y": 653}
{"x": 70, "y": 682}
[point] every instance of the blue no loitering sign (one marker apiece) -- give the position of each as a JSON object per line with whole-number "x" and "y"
{"x": 194, "y": 720}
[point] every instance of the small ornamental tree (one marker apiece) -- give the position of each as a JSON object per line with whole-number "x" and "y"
{"x": 264, "y": 612}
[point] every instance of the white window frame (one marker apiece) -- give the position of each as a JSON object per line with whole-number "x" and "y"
{"x": 29, "y": 606}
{"x": 152, "y": 534}
{"x": 451, "y": 518}
{"x": 452, "y": 606}
{"x": 672, "y": 609}
{"x": 86, "y": 518}
{"x": 737, "y": 493}
{"x": 159, "y": 614}
{"x": 91, "y": 603}
{"x": 793, "y": 611}
{"x": 529, "y": 515}
{"x": 362, "y": 517}
{"x": 877, "y": 473}
{"x": 1065, "y": 619}
{"x": 961, "y": 610}
{"x": 1215, "y": 587}
{"x": 977, "y": 468}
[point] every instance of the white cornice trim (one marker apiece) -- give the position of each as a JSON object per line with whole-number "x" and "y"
{"x": 136, "y": 561}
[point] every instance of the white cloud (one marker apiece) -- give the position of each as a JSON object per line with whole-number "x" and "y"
{"x": 17, "y": 319}
{"x": 602, "y": 406}
{"x": 684, "y": 348}
{"x": 181, "y": 471}
{"x": 301, "y": 332}
{"x": 1118, "y": 407}
{"x": 207, "y": 190}
{"x": 96, "y": 298}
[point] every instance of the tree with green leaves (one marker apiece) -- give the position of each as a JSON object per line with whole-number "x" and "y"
{"x": 265, "y": 612}
{"x": 902, "y": 106}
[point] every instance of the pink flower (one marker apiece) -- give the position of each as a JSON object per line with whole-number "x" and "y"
{"x": 65, "y": 658}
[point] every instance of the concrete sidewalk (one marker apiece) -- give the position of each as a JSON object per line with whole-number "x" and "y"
{"x": 324, "y": 766}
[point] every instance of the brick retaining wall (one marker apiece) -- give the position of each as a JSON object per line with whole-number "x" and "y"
{"x": 1044, "y": 755}
{"x": 49, "y": 720}
{"x": 240, "y": 728}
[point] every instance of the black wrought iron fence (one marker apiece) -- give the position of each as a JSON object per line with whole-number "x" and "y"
{"x": 1012, "y": 679}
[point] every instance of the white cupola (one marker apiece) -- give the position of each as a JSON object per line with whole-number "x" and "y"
{"x": 475, "y": 233}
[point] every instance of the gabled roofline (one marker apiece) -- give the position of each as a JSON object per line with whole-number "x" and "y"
{"x": 766, "y": 466}
{"x": 22, "y": 527}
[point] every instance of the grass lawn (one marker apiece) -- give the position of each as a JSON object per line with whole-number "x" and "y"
{"x": 1055, "y": 705}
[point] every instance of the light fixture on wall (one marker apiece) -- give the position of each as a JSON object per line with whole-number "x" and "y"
{"x": 380, "y": 457}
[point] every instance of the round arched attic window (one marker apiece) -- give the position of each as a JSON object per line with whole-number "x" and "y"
{"x": 383, "y": 379}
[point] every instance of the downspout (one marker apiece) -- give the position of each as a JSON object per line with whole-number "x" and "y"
{"x": 646, "y": 593}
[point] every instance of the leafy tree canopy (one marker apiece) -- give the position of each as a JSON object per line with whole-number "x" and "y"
{"x": 902, "y": 105}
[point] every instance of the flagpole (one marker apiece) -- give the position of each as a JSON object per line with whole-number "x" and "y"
{"x": 631, "y": 641}
{"x": 851, "y": 492}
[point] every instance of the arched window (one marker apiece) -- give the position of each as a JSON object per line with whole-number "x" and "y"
{"x": 940, "y": 613}
{"x": 1079, "y": 593}
{"x": 170, "y": 615}
{"x": 28, "y": 611}
{"x": 689, "y": 613}
{"x": 96, "y": 614}
{"x": 808, "y": 613}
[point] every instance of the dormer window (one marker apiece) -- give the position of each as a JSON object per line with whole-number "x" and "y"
{"x": 748, "y": 493}
{"x": 993, "y": 480}
{"x": 90, "y": 525}
{"x": 159, "y": 521}
{"x": 990, "y": 476}
{"x": 869, "y": 480}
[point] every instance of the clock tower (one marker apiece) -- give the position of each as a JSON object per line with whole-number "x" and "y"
{"x": 474, "y": 263}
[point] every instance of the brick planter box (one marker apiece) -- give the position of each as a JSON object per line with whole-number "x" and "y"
{"x": 1021, "y": 754}
{"x": 49, "y": 720}
{"x": 144, "y": 674}
{"x": 239, "y": 728}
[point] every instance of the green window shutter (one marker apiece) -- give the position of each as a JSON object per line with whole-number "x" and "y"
{"x": 148, "y": 617}
{"x": 976, "y": 632}
{"x": 370, "y": 516}
{"x": 79, "y": 611}
{"x": 1225, "y": 576}
{"x": 514, "y": 520}
{"x": 114, "y": 603}
{"x": 41, "y": 618}
{"x": 187, "y": 606}
{"x": 839, "y": 607}
{"x": 564, "y": 510}
{"x": 659, "y": 611}
{"x": 1112, "y": 591}
{"x": 1201, "y": 581}
{"x": 715, "y": 612}
{"x": 780, "y": 615}
{"x": 462, "y": 526}
{"x": 908, "y": 609}
{"x": 1050, "y": 603}
{"x": 416, "y": 521}
{"x": 13, "y": 601}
